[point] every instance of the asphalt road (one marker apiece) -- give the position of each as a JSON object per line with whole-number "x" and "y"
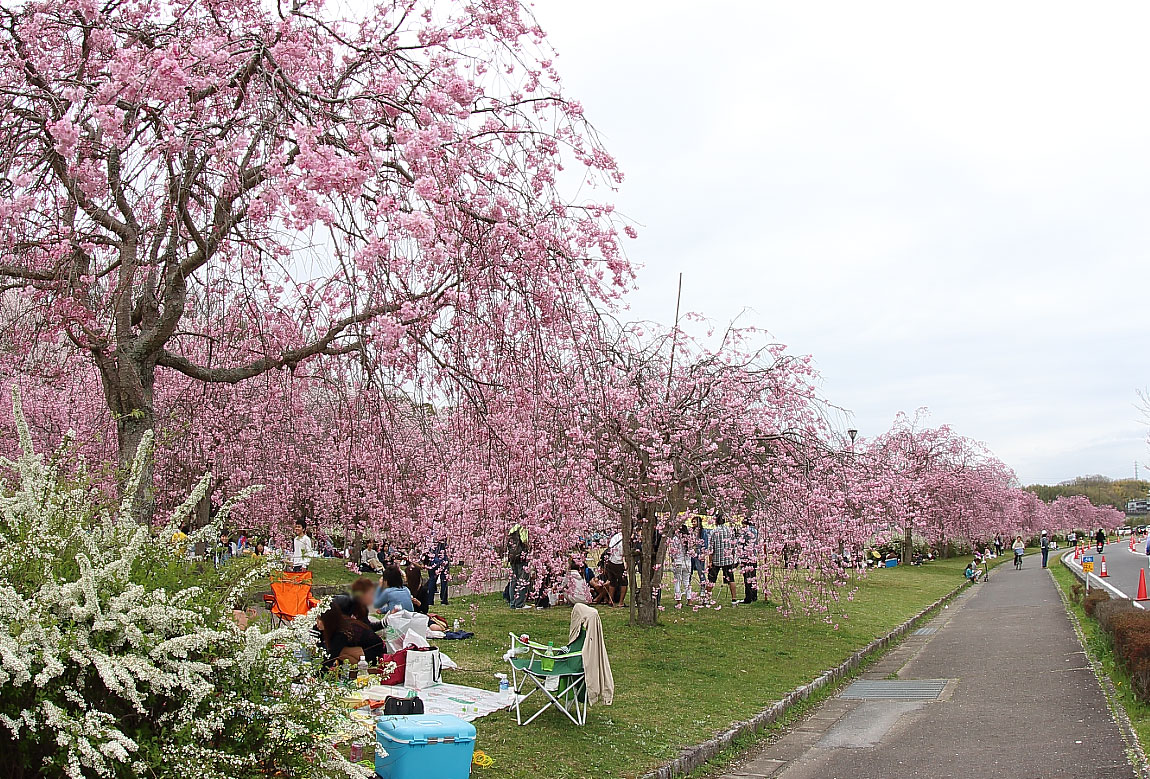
{"x": 1122, "y": 565}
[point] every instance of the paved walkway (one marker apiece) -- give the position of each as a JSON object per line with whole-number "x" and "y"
{"x": 1021, "y": 701}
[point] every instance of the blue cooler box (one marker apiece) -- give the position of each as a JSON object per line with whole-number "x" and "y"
{"x": 424, "y": 746}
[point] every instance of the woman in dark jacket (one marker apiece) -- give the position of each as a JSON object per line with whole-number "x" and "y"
{"x": 345, "y": 637}
{"x": 418, "y": 588}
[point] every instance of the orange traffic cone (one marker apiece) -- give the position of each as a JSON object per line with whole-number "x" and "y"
{"x": 1141, "y": 585}
{"x": 1077, "y": 552}
{"x": 1102, "y": 573}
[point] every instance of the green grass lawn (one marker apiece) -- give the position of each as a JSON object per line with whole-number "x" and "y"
{"x": 330, "y": 570}
{"x": 681, "y": 682}
{"x": 1100, "y": 647}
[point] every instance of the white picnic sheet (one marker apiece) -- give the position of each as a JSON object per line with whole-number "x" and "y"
{"x": 467, "y": 703}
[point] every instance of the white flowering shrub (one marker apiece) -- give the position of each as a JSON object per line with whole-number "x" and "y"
{"x": 118, "y": 656}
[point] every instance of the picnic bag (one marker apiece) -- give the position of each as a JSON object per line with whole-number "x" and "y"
{"x": 405, "y": 707}
{"x": 400, "y": 660}
{"x": 424, "y": 667}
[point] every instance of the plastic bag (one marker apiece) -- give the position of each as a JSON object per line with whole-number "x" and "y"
{"x": 401, "y": 624}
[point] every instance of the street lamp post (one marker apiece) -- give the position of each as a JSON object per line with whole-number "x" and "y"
{"x": 852, "y": 433}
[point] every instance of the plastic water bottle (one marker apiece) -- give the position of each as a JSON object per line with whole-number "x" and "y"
{"x": 504, "y": 685}
{"x": 362, "y": 677}
{"x": 455, "y": 625}
{"x": 548, "y": 663}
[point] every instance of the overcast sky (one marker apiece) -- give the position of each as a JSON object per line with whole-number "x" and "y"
{"x": 945, "y": 204}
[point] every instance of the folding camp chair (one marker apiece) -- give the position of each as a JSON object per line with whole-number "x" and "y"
{"x": 564, "y": 682}
{"x": 290, "y": 596}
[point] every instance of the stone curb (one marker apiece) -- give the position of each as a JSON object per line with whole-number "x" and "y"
{"x": 695, "y": 756}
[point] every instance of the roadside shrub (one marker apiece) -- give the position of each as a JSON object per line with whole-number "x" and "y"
{"x": 1109, "y": 610}
{"x": 1093, "y": 599}
{"x": 118, "y": 657}
{"x": 1131, "y": 634}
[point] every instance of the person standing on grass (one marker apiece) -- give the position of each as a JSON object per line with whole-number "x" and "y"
{"x": 700, "y": 538}
{"x": 681, "y": 565}
{"x": 616, "y": 570}
{"x": 302, "y": 550}
{"x": 438, "y": 567}
{"x": 749, "y": 561}
{"x": 1044, "y": 544}
{"x": 722, "y": 553}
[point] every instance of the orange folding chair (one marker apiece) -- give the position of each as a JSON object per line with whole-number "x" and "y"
{"x": 290, "y": 597}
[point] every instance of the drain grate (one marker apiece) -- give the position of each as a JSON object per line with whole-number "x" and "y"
{"x": 924, "y": 631}
{"x": 896, "y": 689}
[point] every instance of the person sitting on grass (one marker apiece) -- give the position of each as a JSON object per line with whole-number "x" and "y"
{"x": 600, "y": 589}
{"x": 392, "y": 592}
{"x": 363, "y": 592}
{"x": 344, "y": 637}
{"x": 417, "y": 587}
{"x": 575, "y": 586}
{"x": 369, "y": 559}
{"x": 974, "y": 573}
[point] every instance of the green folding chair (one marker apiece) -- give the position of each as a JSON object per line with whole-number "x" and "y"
{"x": 564, "y": 683}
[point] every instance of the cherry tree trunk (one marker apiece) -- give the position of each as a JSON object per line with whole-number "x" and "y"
{"x": 643, "y": 571}
{"x": 128, "y": 388}
{"x": 130, "y": 430}
{"x": 356, "y": 544}
{"x": 907, "y": 546}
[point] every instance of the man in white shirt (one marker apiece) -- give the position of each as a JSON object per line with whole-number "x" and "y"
{"x": 301, "y": 547}
{"x": 616, "y": 571}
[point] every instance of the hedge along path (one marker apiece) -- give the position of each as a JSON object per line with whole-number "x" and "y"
{"x": 695, "y": 757}
{"x": 1130, "y": 740}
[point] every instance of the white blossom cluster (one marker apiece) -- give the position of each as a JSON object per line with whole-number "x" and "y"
{"x": 104, "y": 672}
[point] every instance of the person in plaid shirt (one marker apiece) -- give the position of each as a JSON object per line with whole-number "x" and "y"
{"x": 721, "y": 549}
